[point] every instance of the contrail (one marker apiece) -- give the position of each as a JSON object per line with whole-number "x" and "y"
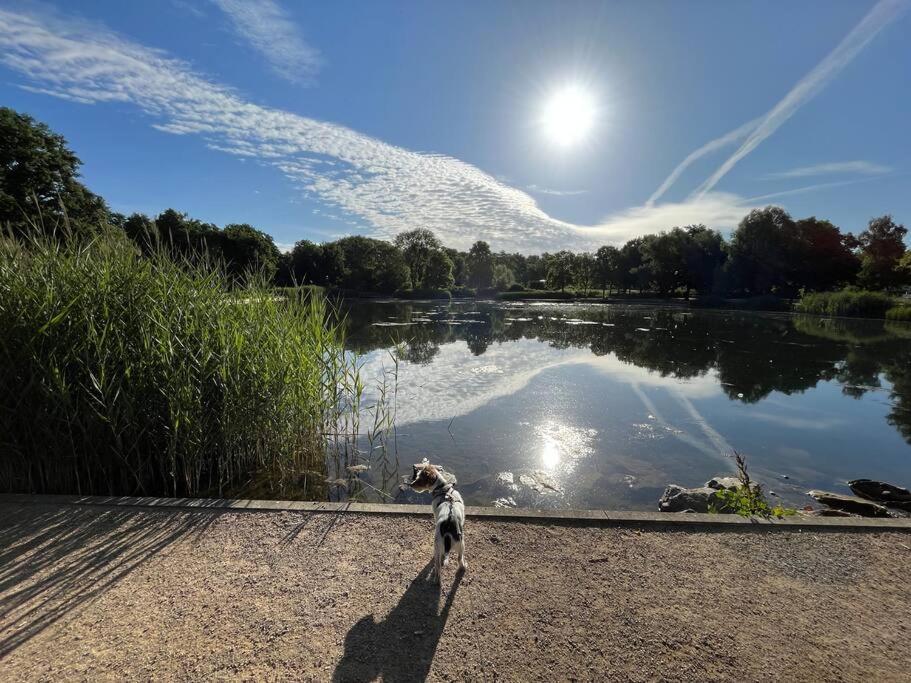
{"x": 883, "y": 14}
{"x": 708, "y": 148}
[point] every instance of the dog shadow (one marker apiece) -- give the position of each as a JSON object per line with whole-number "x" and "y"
{"x": 402, "y": 646}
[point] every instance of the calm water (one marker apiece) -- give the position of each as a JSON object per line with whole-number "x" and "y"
{"x": 596, "y": 406}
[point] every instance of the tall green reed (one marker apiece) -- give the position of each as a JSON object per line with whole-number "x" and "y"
{"x": 150, "y": 375}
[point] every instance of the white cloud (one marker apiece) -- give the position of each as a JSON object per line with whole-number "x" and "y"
{"x": 556, "y": 193}
{"x": 861, "y": 167}
{"x": 719, "y": 210}
{"x": 388, "y": 188}
{"x": 267, "y": 28}
{"x": 882, "y": 14}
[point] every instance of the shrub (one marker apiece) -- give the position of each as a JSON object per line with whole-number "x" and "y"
{"x": 130, "y": 375}
{"x": 462, "y": 292}
{"x": 848, "y": 302}
{"x": 515, "y": 287}
{"x": 423, "y": 294}
{"x": 747, "y": 500}
{"x": 902, "y": 312}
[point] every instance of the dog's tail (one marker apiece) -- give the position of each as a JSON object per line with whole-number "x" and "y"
{"x": 450, "y": 532}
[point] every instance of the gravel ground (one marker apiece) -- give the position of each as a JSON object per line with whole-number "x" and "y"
{"x": 137, "y": 594}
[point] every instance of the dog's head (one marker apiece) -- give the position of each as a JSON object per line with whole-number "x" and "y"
{"x": 425, "y": 476}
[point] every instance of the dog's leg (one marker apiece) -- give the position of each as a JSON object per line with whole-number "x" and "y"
{"x": 463, "y": 563}
{"x": 438, "y": 557}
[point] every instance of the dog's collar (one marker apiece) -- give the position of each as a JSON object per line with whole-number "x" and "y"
{"x": 442, "y": 491}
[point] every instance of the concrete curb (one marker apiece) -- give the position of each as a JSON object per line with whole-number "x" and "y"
{"x": 585, "y": 517}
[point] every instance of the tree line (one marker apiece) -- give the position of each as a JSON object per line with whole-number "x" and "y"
{"x": 768, "y": 253}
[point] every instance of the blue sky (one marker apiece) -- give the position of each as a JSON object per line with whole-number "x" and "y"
{"x": 315, "y": 120}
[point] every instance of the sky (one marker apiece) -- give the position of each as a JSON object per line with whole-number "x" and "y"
{"x": 535, "y": 126}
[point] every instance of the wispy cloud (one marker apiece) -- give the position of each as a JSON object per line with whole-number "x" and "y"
{"x": 267, "y": 28}
{"x": 882, "y": 14}
{"x": 712, "y": 146}
{"x": 388, "y": 187}
{"x": 860, "y": 167}
{"x": 556, "y": 193}
{"x": 811, "y": 188}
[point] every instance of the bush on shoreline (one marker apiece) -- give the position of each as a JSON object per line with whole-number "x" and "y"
{"x": 848, "y": 302}
{"x": 902, "y": 312}
{"x": 130, "y": 375}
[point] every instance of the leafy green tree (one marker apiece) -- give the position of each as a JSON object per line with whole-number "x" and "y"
{"x": 503, "y": 277}
{"x": 141, "y": 230}
{"x": 417, "y": 246}
{"x": 439, "y": 271}
{"x": 560, "y": 270}
{"x": 188, "y": 237}
{"x": 703, "y": 257}
{"x": 664, "y": 260}
{"x": 763, "y": 251}
{"x": 585, "y": 271}
{"x": 882, "y": 247}
{"x": 459, "y": 265}
{"x": 370, "y": 265}
{"x": 535, "y": 270}
{"x": 246, "y": 249}
{"x": 607, "y": 262}
{"x": 632, "y": 271}
{"x": 38, "y": 180}
{"x": 307, "y": 263}
{"x": 480, "y": 265}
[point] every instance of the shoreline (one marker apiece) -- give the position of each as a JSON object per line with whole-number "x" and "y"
{"x": 529, "y": 515}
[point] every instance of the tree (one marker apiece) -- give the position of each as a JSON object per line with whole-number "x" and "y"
{"x": 38, "y": 179}
{"x": 248, "y": 250}
{"x": 459, "y": 265}
{"x": 370, "y": 265}
{"x": 417, "y": 247}
{"x": 141, "y": 230}
{"x": 503, "y": 277}
{"x": 631, "y": 268}
{"x": 560, "y": 270}
{"x": 535, "y": 271}
{"x": 881, "y": 248}
{"x": 307, "y": 263}
{"x": 764, "y": 251}
{"x": 585, "y": 271}
{"x": 439, "y": 271}
{"x": 703, "y": 257}
{"x": 663, "y": 258}
{"x": 480, "y": 265}
{"x": 188, "y": 237}
{"x": 825, "y": 256}
{"x": 607, "y": 263}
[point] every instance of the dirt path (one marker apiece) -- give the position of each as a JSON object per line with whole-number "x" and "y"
{"x": 128, "y": 594}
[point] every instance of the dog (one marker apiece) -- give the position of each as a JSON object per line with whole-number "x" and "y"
{"x": 448, "y": 514}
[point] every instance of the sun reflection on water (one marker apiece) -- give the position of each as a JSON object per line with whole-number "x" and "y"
{"x": 562, "y": 445}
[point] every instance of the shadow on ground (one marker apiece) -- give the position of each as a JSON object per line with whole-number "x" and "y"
{"x": 55, "y": 559}
{"x": 402, "y": 646}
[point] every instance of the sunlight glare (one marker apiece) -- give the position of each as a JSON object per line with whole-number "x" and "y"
{"x": 568, "y": 115}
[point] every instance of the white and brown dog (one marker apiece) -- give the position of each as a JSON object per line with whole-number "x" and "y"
{"x": 448, "y": 514}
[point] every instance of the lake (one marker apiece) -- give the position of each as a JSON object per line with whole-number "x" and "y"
{"x": 601, "y": 406}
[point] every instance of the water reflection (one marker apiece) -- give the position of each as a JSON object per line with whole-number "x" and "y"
{"x": 597, "y": 406}
{"x": 745, "y": 356}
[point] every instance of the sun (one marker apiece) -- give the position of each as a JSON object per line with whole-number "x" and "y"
{"x": 569, "y": 115}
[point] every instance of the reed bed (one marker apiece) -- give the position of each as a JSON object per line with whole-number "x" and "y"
{"x": 124, "y": 374}
{"x": 856, "y": 303}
